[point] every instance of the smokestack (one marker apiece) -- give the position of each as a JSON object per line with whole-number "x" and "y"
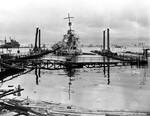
{"x": 108, "y": 48}
{"x": 104, "y": 40}
{"x": 39, "y": 38}
{"x": 36, "y": 35}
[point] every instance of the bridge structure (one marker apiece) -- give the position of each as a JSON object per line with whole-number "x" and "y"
{"x": 51, "y": 64}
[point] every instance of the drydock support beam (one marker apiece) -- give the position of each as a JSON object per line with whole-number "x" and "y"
{"x": 36, "y": 36}
{"x": 37, "y": 45}
{"x": 39, "y": 38}
{"x": 108, "y": 47}
{"x": 103, "y": 40}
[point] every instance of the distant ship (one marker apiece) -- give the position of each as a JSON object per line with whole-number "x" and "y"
{"x": 118, "y": 46}
{"x": 12, "y": 44}
{"x": 69, "y": 44}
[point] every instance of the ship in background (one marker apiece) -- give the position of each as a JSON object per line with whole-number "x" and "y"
{"x": 69, "y": 44}
{"x": 12, "y": 44}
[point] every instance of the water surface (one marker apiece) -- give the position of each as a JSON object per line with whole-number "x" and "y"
{"x": 112, "y": 88}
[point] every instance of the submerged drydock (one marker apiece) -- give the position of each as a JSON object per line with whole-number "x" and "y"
{"x": 139, "y": 59}
{"x": 71, "y": 61}
{"x": 16, "y": 61}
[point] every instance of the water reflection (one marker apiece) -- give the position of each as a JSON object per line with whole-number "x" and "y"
{"x": 140, "y": 69}
{"x": 105, "y": 70}
{"x": 143, "y": 81}
{"x": 69, "y": 87}
{"x": 70, "y": 72}
{"x": 108, "y": 75}
{"x": 106, "y": 67}
{"x": 10, "y": 72}
{"x": 37, "y": 74}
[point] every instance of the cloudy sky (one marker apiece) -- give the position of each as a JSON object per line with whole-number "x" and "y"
{"x": 128, "y": 20}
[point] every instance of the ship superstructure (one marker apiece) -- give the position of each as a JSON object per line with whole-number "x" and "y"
{"x": 69, "y": 43}
{"x": 12, "y": 44}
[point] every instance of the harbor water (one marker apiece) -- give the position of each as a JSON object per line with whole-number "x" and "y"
{"x": 120, "y": 88}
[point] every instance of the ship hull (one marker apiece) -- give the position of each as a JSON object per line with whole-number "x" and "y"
{"x": 9, "y": 46}
{"x": 70, "y": 52}
{"x": 12, "y": 44}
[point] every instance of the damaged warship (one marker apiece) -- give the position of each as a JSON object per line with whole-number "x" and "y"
{"x": 69, "y": 44}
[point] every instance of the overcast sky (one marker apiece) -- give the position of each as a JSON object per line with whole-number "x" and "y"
{"x": 128, "y": 20}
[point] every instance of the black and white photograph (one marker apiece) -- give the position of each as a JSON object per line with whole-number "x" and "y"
{"x": 74, "y": 57}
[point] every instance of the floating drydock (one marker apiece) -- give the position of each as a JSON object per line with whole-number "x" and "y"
{"x": 138, "y": 59}
{"x": 127, "y": 58}
{"x": 36, "y": 52}
{"x": 32, "y": 55}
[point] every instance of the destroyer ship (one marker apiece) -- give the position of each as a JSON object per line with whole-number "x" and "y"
{"x": 69, "y": 44}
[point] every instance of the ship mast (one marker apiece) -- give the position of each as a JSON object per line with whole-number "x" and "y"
{"x": 69, "y": 24}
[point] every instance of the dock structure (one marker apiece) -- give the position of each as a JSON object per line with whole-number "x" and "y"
{"x": 51, "y": 64}
{"x": 36, "y": 52}
{"x": 106, "y": 48}
{"x": 103, "y": 40}
{"x": 37, "y": 45}
{"x": 139, "y": 59}
{"x": 108, "y": 41}
{"x": 30, "y": 61}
